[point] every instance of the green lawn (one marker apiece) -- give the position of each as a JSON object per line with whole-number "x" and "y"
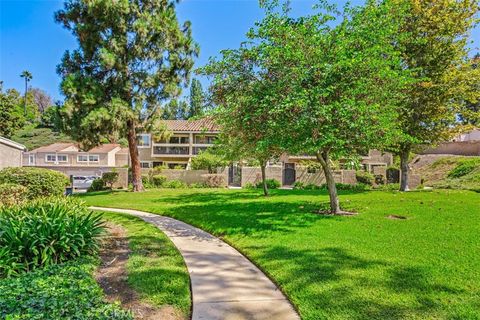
{"x": 361, "y": 267}
{"x": 155, "y": 268}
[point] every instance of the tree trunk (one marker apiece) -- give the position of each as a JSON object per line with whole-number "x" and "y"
{"x": 332, "y": 188}
{"x": 25, "y": 99}
{"x": 133, "y": 149}
{"x": 264, "y": 178}
{"x": 404, "y": 155}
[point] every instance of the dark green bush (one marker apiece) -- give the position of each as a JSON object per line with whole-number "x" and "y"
{"x": 147, "y": 181}
{"x": 271, "y": 184}
{"x": 158, "y": 180}
{"x": 97, "y": 185}
{"x": 199, "y": 185}
{"x": 109, "y": 178}
{"x": 175, "y": 184}
{"x": 11, "y": 194}
{"x": 298, "y": 185}
{"x": 45, "y": 232}
{"x": 39, "y": 182}
{"x": 464, "y": 168}
{"x": 365, "y": 177}
{"x": 64, "y": 291}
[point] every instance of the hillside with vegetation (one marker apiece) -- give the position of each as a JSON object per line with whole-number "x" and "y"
{"x": 448, "y": 172}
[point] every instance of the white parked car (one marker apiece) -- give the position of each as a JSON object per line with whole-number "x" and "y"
{"x": 83, "y": 182}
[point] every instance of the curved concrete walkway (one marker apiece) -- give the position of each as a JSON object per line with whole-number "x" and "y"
{"x": 225, "y": 284}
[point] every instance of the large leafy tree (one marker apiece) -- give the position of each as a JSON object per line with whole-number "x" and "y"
{"x": 11, "y": 116}
{"x": 433, "y": 43}
{"x": 331, "y": 82}
{"x": 240, "y": 89}
{"x": 175, "y": 110}
{"x": 471, "y": 114}
{"x": 132, "y": 55}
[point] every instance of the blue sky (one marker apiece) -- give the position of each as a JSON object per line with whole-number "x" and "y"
{"x": 30, "y": 40}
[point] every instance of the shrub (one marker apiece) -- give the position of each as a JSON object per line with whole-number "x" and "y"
{"x": 46, "y": 232}
{"x": 147, "y": 181}
{"x": 312, "y": 186}
{"x": 271, "y": 184}
{"x": 389, "y": 187}
{"x": 175, "y": 184}
{"x": 214, "y": 180}
{"x": 11, "y": 194}
{"x": 298, "y": 185}
{"x": 463, "y": 168}
{"x": 64, "y": 291}
{"x": 250, "y": 185}
{"x": 199, "y": 185}
{"x": 208, "y": 161}
{"x": 109, "y": 178}
{"x": 158, "y": 180}
{"x": 97, "y": 185}
{"x": 39, "y": 182}
{"x": 365, "y": 177}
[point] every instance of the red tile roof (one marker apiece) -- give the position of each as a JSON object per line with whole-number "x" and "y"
{"x": 205, "y": 124}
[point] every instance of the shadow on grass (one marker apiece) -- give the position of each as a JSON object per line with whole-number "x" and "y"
{"x": 331, "y": 282}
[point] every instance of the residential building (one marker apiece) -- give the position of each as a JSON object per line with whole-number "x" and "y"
{"x": 10, "y": 153}
{"x": 70, "y": 159}
{"x": 188, "y": 138}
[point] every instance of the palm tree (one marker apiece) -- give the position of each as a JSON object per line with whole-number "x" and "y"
{"x": 28, "y": 76}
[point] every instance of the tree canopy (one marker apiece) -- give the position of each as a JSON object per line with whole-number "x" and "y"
{"x": 132, "y": 55}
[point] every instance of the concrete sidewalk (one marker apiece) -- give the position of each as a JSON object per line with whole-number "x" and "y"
{"x": 225, "y": 284}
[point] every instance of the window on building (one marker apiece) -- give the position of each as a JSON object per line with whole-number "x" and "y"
{"x": 82, "y": 158}
{"x": 94, "y": 158}
{"x": 145, "y": 164}
{"x": 143, "y": 140}
{"x": 61, "y": 158}
{"x": 50, "y": 158}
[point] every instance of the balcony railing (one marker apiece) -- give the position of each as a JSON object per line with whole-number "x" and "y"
{"x": 171, "y": 150}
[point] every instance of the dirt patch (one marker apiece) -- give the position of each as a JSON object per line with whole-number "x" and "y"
{"x": 396, "y": 217}
{"x": 112, "y": 277}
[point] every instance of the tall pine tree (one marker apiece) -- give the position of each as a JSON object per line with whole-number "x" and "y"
{"x": 132, "y": 55}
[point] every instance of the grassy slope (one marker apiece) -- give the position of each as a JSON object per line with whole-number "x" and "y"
{"x": 33, "y": 138}
{"x": 437, "y": 173}
{"x": 155, "y": 268}
{"x": 362, "y": 267}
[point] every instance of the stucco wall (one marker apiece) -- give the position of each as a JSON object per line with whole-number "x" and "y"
{"x": 10, "y": 157}
{"x": 461, "y": 148}
{"x": 253, "y": 175}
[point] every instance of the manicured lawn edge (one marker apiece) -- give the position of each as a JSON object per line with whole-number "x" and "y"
{"x": 155, "y": 268}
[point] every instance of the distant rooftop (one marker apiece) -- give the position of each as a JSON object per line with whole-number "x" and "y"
{"x": 205, "y": 124}
{"x": 12, "y": 143}
{"x": 73, "y": 147}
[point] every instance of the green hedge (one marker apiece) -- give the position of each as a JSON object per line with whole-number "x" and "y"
{"x": 64, "y": 291}
{"x": 39, "y": 182}
{"x": 271, "y": 184}
{"x": 46, "y": 232}
{"x": 12, "y": 194}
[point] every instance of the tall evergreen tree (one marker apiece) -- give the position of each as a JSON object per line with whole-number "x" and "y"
{"x": 132, "y": 55}
{"x": 197, "y": 99}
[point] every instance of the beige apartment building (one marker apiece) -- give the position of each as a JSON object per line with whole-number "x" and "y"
{"x": 188, "y": 138}
{"x": 69, "y": 159}
{"x": 10, "y": 153}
